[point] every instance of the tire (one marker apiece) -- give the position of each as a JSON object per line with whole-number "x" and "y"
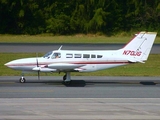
{"x": 64, "y": 77}
{"x": 22, "y": 80}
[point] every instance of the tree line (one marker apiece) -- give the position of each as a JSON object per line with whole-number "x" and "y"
{"x": 64, "y": 17}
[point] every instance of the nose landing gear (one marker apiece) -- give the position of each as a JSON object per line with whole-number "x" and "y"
{"x": 22, "y": 80}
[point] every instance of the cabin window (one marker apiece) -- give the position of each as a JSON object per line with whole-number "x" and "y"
{"x": 56, "y": 55}
{"x": 93, "y": 56}
{"x": 99, "y": 56}
{"x": 86, "y": 55}
{"x": 77, "y": 55}
{"x": 69, "y": 55}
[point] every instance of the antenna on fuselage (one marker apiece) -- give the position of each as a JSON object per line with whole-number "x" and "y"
{"x": 60, "y": 47}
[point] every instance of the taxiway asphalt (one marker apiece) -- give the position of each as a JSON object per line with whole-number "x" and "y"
{"x": 80, "y": 109}
{"x": 80, "y": 87}
{"x": 104, "y": 98}
{"x": 46, "y": 47}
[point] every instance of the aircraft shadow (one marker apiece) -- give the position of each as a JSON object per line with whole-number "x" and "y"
{"x": 73, "y": 83}
{"x": 83, "y": 83}
{"x": 76, "y": 83}
{"x": 148, "y": 83}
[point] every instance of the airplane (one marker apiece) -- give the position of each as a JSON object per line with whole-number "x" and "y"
{"x": 67, "y": 61}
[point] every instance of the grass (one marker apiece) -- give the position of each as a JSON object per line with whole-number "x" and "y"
{"x": 80, "y": 38}
{"x": 150, "y": 68}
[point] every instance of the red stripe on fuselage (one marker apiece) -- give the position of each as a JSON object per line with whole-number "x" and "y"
{"x": 45, "y": 64}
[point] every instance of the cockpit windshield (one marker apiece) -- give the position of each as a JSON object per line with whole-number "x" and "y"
{"x": 47, "y": 55}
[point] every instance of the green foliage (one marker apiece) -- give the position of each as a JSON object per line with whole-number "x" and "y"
{"x": 78, "y": 16}
{"x": 98, "y": 20}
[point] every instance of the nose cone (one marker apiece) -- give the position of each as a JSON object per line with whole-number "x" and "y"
{"x": 17, "y": 62}
{"x": 6, "y": 64}
{"x": 22, "y": 64}
{"x": 9, "y": 64}
{"x": 14, "y": 64}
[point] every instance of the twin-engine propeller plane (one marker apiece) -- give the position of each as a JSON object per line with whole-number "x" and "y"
{"x": 137, "y": 50}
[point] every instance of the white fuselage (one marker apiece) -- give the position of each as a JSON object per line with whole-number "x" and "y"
{"x": 70, "y": 60}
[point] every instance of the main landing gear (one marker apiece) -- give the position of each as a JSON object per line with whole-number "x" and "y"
{"x": 67, "y": 78}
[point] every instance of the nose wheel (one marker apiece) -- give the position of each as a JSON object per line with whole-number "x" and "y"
{"x": 22, "y": 80}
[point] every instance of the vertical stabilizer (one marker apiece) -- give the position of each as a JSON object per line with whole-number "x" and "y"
{"x": 138, "y": 49}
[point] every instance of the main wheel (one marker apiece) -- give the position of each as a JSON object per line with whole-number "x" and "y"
{"x": 22, "y": 80}
{"x": 64, "y": 77}
{"x": 67, "y": 82}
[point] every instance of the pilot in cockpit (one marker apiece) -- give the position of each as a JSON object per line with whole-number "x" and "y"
{"x": 56, "y": 55}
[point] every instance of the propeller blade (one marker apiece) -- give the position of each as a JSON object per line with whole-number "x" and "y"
{"x": 38, "y": 66}
{"x": 37, "y": 59}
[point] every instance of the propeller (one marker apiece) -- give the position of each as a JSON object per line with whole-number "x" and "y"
{"x": 37, "y": 66}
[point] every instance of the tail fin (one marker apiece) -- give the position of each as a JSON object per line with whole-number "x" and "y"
{"x": 138, "y": 49}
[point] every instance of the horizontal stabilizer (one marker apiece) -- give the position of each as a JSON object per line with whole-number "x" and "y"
{"x": 135, "y": 60}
